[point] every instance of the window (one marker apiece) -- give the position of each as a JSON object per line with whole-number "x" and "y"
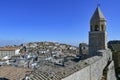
{"x": 96, "y": 28}
{"x": 102, "y": 27}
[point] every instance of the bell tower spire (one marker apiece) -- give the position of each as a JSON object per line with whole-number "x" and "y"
{"x": 97, "y": 34}
{"x": 98, "y": 21}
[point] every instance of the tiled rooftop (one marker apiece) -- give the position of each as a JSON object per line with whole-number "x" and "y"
{"x": 11, "y": 73}
{"x": 8, "y": 49}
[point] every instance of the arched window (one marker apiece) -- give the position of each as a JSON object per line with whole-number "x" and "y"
{"x": 102, "y": 27}
{"x": 96, "y": 28}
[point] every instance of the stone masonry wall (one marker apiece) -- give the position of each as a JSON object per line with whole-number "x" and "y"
{"x": 83, "y": 74}
{"x": 111, "y": 71}
{"x": 95, "y": 70}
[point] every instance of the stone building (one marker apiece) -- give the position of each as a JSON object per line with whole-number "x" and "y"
{"x": 115, "y": 48}
{"x": 97, "y": 34}
{"x": 83, "y": 48}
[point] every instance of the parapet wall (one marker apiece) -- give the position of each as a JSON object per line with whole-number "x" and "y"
{"x": 111, "y": 71}
{"x": 95, "y": 70}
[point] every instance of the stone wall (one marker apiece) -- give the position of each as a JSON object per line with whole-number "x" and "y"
{"x": 95, "y": 70}
{"x": 111, "y": 71}
{"x": 83, "y": 74}
{"x": 97, "y": 41}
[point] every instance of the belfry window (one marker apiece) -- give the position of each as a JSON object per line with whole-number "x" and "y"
{"x": 102, "y": 27}
{"x": 96, "y": 28}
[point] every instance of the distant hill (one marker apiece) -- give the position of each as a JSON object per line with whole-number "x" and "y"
{"x": 10, "y": 42}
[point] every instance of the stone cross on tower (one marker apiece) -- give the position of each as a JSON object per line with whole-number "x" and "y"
{"x": 97, "y": 34}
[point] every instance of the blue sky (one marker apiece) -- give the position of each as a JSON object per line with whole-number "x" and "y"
{"x": 65, "y": 21}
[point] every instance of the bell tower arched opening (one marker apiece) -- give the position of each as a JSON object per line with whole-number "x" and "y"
{"x": 102, "y": 27}
{"x": 96, "y": 28}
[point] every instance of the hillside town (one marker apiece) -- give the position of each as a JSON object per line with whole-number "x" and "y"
{"x": 29, "y": 57}
{"x": 96, "y": 60}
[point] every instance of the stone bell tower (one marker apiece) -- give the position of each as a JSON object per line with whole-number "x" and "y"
{"x": 97, "y": 34}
